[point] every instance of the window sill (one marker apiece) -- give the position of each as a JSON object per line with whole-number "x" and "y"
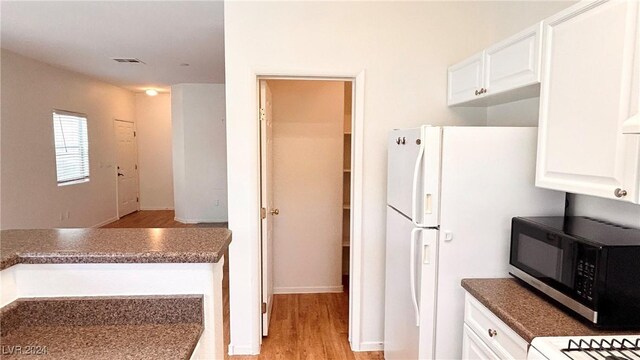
{"x": 74, "y": 182}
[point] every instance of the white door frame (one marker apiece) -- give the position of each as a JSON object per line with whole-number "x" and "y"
{"x": 357, "y": 161}
{"x": 115, "y": 166}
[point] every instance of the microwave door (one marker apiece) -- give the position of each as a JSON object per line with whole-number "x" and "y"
{"x": 550, "y": 260}
{"x": 570, "y": 258}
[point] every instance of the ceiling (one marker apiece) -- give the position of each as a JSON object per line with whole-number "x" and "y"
{"x": 83, "y": 36}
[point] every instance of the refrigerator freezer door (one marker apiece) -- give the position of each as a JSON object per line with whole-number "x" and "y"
{"x": 413, "y": 178}
{"x": 401, "y": 335}
{"x": 403, "y": 148}
{"x": 427, "y": 179}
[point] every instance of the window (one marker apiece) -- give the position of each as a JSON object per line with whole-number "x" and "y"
{"x": 72, "y": 147}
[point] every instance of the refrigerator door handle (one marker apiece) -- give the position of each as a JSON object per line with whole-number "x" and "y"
{"x": 414, "y": 194}
{"x": 412, "y": 274}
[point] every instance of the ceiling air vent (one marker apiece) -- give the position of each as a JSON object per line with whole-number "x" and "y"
{"x": 128, "y": 60}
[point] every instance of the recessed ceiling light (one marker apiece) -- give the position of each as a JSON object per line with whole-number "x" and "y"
{"x": 151, "y": 92}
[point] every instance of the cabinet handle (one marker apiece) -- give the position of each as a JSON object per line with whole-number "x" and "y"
{"x": 492, "y": 333}
{"x": 620, "y": 193}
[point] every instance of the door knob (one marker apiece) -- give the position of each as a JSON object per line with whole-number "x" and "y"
{"x": 275, "y": 212}
{"x": 120, "y": 174}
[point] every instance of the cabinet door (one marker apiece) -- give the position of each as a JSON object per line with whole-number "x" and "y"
{"x": 465, "y": 79}
{"x": 473, "y": 348}
{"x": 589, "y": 89}
{"x": 514, "y": 62}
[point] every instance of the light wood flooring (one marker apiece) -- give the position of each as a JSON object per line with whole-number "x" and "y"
{"x": 155, "y": 219}
{"x": 303, "y": 326}
{"x": 309, "y": 326}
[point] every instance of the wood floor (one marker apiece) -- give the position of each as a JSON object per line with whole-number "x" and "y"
{"x": 309, "y": 326}
{"x": 303, "y": 326}
{"x": 155, "y": 219}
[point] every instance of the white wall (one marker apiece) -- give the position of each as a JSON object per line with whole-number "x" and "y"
{"x": 155, "y": 166}
{"x": 307, "y": 179}
{"x": 404, "y": 49}
{"x": 517, "y": 113}
{"x": 30, "y": 197}
{"x": 199, "y": 152}
{"x": 614, "y": 211}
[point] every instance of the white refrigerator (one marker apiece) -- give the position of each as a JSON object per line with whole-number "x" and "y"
{"x": 452, "y": 192}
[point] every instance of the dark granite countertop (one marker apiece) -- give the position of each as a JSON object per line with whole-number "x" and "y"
{"x": 69, "y": 246}
{"x": 103, "y": 328}
{"x": 527, "y": 313}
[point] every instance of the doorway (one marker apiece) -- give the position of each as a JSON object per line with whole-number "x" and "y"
{"x": 306, "y": 176}
{"x": 126, "y": 167}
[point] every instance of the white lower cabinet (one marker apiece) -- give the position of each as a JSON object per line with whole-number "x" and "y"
{"x": 488, "y": 337}
{"x": 474, "y": 348}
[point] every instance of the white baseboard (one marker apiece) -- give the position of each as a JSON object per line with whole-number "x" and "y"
{"x": 370, "y": 346}
{"x": 108, "y": 221}
{"x": 308, "y": 289}
{"x": 198, "y": 221}
{"x": 155, "y": 208}
{"x": 242, "y": 350}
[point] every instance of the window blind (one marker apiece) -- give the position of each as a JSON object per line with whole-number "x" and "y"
{"x": 72, "y": 147}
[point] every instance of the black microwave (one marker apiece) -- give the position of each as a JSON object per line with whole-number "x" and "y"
{"x": 592, "y": 267}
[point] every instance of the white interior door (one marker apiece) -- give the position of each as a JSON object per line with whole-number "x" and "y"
{"x": 127, "y": 168}
{"x": 266, "y": 197}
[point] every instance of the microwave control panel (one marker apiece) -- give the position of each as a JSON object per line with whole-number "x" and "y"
{"x": 585, "y": 274}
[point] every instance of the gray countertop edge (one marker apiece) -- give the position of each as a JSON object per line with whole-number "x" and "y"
{"x": 528, "y": 313}
{"x": 149, "y": 257}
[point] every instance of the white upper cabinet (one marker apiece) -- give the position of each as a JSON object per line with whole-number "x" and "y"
{"x": 589, "y": 131}
{"x": 514, "y": 62}
{"x": 506, "y": 71}
{"x": 465, "y": 79}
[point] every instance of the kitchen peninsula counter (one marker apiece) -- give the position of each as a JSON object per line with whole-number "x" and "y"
{"x": 116, "y": 263}
{"x": 99, "y": 328}
{"x": 75, "y": 246}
